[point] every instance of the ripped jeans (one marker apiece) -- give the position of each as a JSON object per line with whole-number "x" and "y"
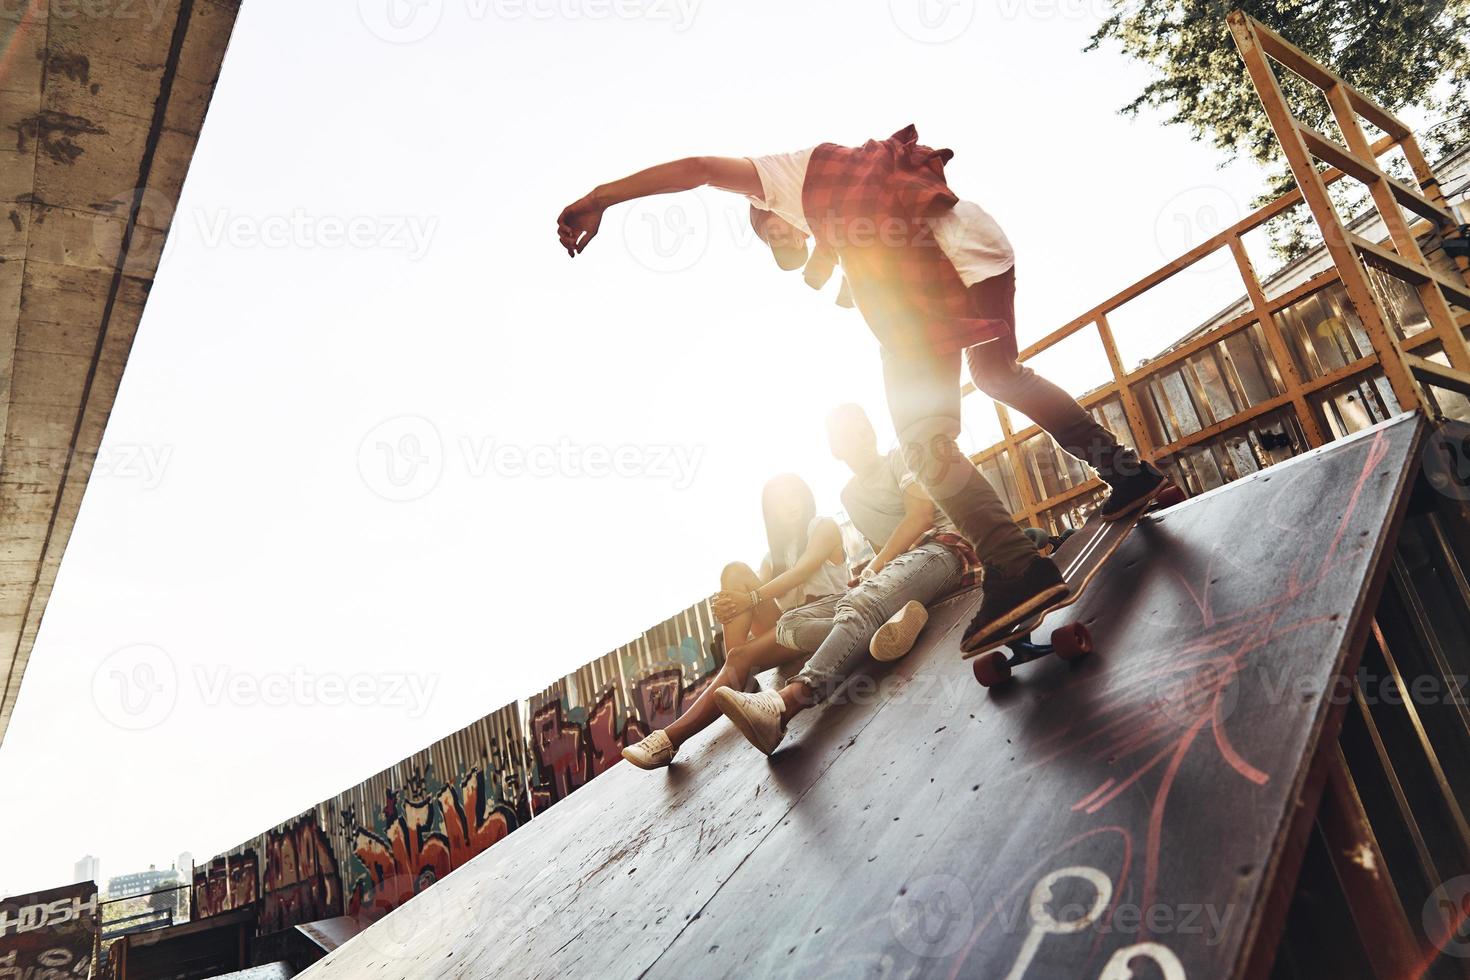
{"x": 836, "y": 630}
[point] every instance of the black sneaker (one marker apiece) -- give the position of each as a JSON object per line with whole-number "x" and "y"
{"x": 1132, "y": 492}
{"x": 1009, "y": 600}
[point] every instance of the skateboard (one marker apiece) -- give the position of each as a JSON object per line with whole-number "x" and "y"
{"x": 1080, "y": 558}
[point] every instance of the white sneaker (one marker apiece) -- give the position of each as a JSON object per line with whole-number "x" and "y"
{"x": 758, "y": 716}
{"x": 653, "y": 752}
{"x": 896, "y": 637}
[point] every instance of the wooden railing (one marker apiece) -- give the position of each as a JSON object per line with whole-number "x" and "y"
{"x": 1297, "y": 390}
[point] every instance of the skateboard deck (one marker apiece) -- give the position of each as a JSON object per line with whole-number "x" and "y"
{"x": 1080, "y": 558}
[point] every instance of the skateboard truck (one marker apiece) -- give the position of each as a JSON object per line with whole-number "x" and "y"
{"x": 1069, "y": 642}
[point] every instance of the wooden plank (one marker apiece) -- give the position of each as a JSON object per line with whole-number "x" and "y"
{"x": 1419, "y": 204}
{"x": 1324, "y": 78}
{"x": 1399, "y": 267}
{"x": 1332, "y": 152}
{"x": 1132, "y": 411}
{"x": 1395, "y": 127}
{"x": 1248, "y": 41}
{"x": 1438, "y": 375}
{"x": 1431, "y": 294}
{"x": 1285, "y": 364}
{"x": 1163, "y": 786}
{"x": 1245, "y": 225}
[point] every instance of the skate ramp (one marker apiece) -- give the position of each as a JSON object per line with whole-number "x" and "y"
{"x": 1148, "y": 803}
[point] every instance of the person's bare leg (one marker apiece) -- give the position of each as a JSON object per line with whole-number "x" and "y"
{"x": 739, "y": 577}
{"x": 750, "y": 646}
{"x": 741, "y": 663}
{"x": 797, "y": 697}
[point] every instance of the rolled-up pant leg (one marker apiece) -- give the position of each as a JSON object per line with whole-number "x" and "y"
{"x": 805, "y": 627}
{"x": 924, "y": 574}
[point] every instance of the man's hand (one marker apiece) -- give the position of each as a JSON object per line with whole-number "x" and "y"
{"x": 578, "y": 224}
{"x": 727, "y": 605}
{"x": 868, "y": 571}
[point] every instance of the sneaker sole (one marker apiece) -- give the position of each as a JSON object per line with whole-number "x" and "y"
{"x": 896, "y": 637}
{"x": 997, "y": 627}
{"x": 731, "y": 708}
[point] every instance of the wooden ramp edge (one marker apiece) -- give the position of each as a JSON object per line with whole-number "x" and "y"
{"x": 1147, "y": 803}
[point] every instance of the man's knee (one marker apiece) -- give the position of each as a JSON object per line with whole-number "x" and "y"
{"x": 938, "y": 463}
{"x": 860, "y": 609}
{"x": 995, "y": 375}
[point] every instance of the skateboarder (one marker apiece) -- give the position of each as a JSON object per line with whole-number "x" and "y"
{"x": 934, "y": 277}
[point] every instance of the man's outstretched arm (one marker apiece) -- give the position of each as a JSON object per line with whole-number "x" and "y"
{"x": 579, "y": 221}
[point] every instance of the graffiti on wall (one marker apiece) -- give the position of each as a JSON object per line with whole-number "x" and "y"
{"x": 423, "y": 831}
{"x": 229, "y": 881}
{"x": 49, "y": 934}
{"x": 373, "y": 847}
{"x": 370, "y": 848}
{"x": 300, "y": 882}
{"x": 632, "y": 691}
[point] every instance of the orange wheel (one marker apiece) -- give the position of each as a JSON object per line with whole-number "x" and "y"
{"x": 1170, "y": 496}
{"x": 1071, "y": 642}
{"x": 992, "y": 669}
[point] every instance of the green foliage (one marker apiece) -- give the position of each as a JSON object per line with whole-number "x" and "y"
{"x": 1401, "y": 53}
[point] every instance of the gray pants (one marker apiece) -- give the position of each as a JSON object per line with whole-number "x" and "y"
{"x": 924, "y": 400}
{"x": 836, "y": 630}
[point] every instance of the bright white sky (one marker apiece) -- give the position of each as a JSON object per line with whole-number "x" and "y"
{"x": 239, "y": 529}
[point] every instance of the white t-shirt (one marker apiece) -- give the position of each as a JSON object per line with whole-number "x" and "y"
{"x": 969, "y": 237}
{"x": 829, "y": 579}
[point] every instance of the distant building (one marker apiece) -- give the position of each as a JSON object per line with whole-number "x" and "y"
{"x": 142, "y": 882}
{"x": 186, "y": 867}
{"x": 88, "y": 868}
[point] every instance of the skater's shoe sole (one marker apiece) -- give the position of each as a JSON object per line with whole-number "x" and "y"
{"x": 896, "y": 637}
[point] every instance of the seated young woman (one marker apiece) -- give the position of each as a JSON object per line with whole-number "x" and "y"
{"x": 805, "y": 562}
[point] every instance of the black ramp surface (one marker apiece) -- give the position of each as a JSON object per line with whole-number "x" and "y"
{"x": 1144, "y": 796}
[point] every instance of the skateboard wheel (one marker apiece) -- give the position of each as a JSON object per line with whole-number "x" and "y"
{"x": 992, "y": 669}
{"x": 1170, "y": 496}
{"x": 1071, "y": 642}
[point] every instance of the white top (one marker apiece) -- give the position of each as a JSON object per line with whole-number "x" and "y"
{"x": 829, "y": 579}
{"x": 969, "y": 236}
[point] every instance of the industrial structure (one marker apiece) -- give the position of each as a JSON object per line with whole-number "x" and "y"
{"x": 106, "y": 111}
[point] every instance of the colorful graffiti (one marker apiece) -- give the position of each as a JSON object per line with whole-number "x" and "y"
{"x": 419, "y": 836}
{"x": 49, "y": 933}
{"x": 301, "y": 882}
{"x": 634, "y": 690}
{"x": 229, "y": 881}
{"x": 373, "y": 847}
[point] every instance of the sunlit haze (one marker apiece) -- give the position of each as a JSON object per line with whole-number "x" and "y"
{"x": 379, "y": 430}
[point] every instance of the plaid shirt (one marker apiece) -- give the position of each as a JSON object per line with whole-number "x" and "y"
{"x": 970, "y": 572}
{"x": 867, "y": 207}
